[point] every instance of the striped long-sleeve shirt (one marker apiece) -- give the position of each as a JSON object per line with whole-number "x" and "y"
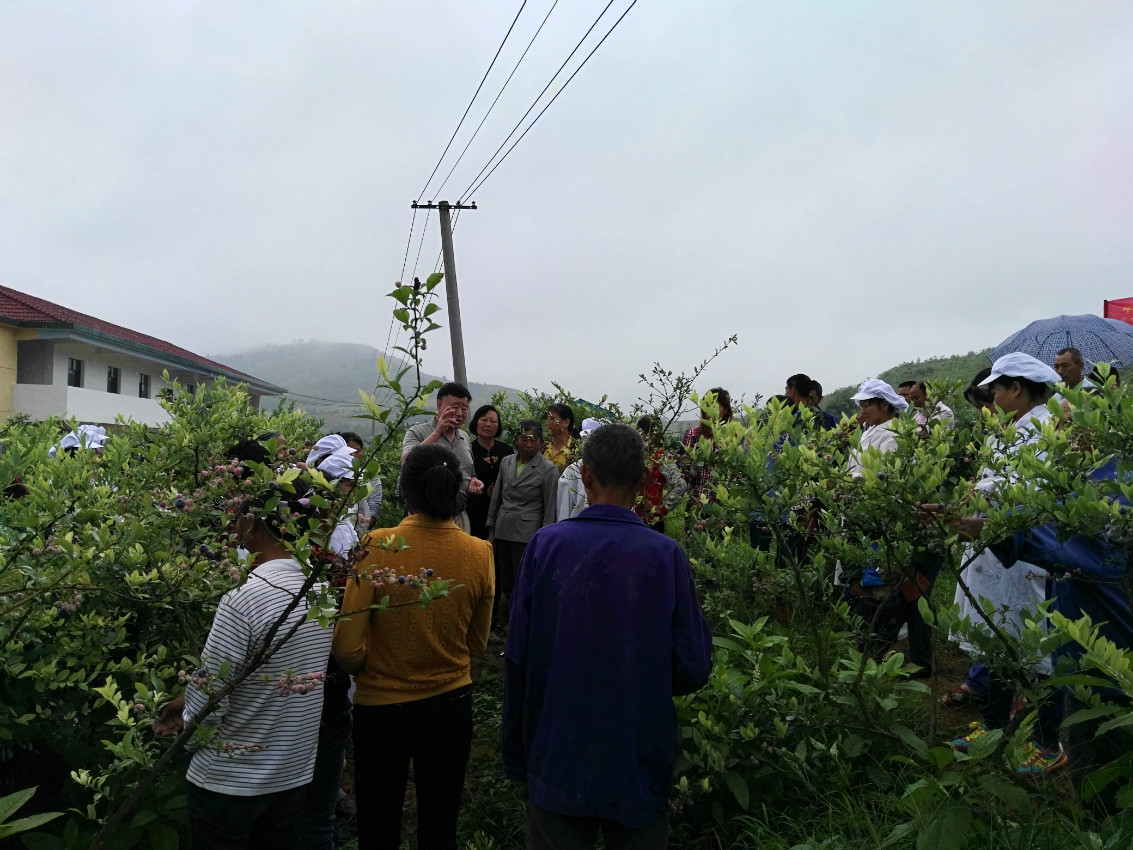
{"x": 273, "y": 737}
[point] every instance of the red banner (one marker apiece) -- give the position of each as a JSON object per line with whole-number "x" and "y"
{"x": 1120, "y": 309}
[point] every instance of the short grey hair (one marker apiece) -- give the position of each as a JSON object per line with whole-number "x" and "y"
{"x": 616, "y": 455}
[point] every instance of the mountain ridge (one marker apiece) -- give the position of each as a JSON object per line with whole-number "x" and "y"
{"x": 324, "y": 378}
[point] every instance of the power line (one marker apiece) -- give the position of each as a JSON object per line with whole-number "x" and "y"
{"x": 401, "y": 279}
{"x": 494, "y": 102}
{"x": 467, "y": 108}
{"x": 303, "y": 397}
{"x": 548, "y": 106}
{"x": 539, "y": 97}
{"x": 408, "y": 243}
{"x": 388, "y": 393}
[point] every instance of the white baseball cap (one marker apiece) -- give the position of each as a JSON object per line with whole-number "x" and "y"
{"x": 1020, "y": 365}
{"x": 877, "y": 388}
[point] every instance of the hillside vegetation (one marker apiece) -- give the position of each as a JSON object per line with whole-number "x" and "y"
{"x": 958, "y": 367}
{"x": 324, "y": 377}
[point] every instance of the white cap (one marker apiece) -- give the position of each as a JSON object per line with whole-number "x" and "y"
{"x": 877, "y": 388}
{"x": 89, "y": 436}
{"x": 1020, "y": 365}
{"x": 338, "y": 464}
{"x": 325, "y": 445}
{"x": 589, "y": 426}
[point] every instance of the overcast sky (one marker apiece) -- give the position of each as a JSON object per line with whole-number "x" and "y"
{"x": 843, "y": 185}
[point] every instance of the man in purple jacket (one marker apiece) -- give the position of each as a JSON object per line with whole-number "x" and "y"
{"x": 605, "y": 630}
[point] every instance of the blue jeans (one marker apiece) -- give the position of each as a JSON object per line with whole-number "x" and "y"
{"x": 315, "y": 826}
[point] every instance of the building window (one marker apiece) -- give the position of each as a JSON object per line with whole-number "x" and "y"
{"x": 112, "y": 379}
{"x": 143, "y": 386}
{"x": 74, "y": 372}
{"x": 191, "y": 389}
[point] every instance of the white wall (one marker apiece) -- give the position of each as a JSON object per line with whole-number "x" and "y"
{"x": 91, "y": 402}
{"x": 96, "y": 406}
{"x": 96, "y": 361}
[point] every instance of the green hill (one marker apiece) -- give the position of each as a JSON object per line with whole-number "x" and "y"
{"x": 324, "y": 378}
{"x": 958, "y": 367}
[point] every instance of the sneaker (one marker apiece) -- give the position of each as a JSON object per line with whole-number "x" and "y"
{"x": 974, "y": 731}
{"x": 1039, "y": 762}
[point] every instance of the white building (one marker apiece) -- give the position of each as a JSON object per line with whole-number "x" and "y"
{"x": 58, "y": 362}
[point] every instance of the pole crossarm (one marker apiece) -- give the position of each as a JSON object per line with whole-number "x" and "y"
{"x": 432, "y": 206}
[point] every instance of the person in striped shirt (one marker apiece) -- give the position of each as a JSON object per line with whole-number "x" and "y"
{"x": 246, "y": 785}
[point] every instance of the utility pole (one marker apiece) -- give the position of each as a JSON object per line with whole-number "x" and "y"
{"x": 456, "y": 335}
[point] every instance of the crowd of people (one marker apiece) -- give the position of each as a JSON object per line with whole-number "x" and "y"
{"x": 534, "y": 541}
{"x": 556, "y": 553}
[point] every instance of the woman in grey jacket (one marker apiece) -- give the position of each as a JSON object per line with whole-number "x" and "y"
{"x": 523, "y": 501}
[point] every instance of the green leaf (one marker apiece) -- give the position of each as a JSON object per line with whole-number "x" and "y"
{"x": 911, "y": 739}
{"x": 1097, "y": 780}
{"x": 143, "y": 817}
{"x": 900, "y": 831}
{"x": 1117, "y": 723}
{"x": 163, "y": 837}
{"x": 10, "y": 805}
{"x": 45, "y": 841}
{"x": 726, "y": 643}
{"x": 948, "y": 829}
{"x": 999, "y": 788}
{"x": 28, "y": 823}
{"x": 738, "y": 786}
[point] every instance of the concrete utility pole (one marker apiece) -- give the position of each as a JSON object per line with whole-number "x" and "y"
{"x": 459, "y": 370}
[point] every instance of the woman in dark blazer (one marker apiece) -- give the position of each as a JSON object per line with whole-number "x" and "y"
{"x": 487, "y": 452}
{"x": 523, "y": 501}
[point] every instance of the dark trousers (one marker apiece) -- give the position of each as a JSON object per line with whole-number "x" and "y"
{"x": 794, "y": 546}
{"x": 227, "y": 822}
{"x": 315, "y": 826}
{"x": 928, "y": 564}
{"x": 550, "y": 831}
{"x": 976, "y": 680}
{"x": 508, "y": 554}
{"x": 997, "y": 710}
{"x": 436, "y": 735}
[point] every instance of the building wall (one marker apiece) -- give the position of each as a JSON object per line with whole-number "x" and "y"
{"x": 9, "y": 358}
{"x": 96, "y": 362}
{"x": 36, "y": 362}
{"x": 33, "y": 380}
{"x": 41, "y": 401}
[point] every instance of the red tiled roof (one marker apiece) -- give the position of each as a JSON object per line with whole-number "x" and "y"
{"x": 24, "y": 309}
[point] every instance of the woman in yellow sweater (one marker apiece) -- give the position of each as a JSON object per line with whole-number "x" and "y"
{"x": 411, "y": 665}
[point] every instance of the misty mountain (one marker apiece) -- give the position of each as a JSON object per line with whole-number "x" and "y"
{"x": 324, "y": 378}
